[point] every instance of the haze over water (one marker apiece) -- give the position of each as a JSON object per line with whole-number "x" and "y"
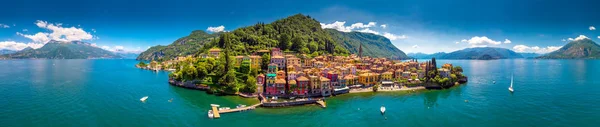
{"x": 107, "y": 93}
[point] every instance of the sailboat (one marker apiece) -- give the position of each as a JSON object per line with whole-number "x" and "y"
{"x": 511, "y": 84}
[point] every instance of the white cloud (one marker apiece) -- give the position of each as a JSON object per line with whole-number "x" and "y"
{"x": 581, "y": 37}
{"x": 59, "y": 33}
{"x": 598, "y": 37}
{"x": 12, "y": 45}
{"x": 106, "y": 48}
{"x": 456, "y": 42}
{"x": 506, "y": 41}
{"x": 38, "y": 38}
{"x": 216, "y": 29}
{"x": 367, "y": 30}
{"x": 482, "y": 41}
{"x": 393, "y": 36}
{"x": 563, "y": 40}
{"x": 94, "y": 30}
{"x": 361, "y": 27}
{"x": 336, "y": 25}
{"x": 340, "y": 26}
{"x": 571, "y": 39}
{"x": 415, "y": 46}
{"x": 592, "y": 28}
{"x": 25, "y": 30}
{"x": 4, "y": 26}
{"x": 94, "y": 44}
{"x": 535, "y": 49}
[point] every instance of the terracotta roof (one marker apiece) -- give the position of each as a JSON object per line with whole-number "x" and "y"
{"x": 324, "y": 79}
{"x": 292, "y": 82}
{"x": 280, "y": 81}
{"x": 349, "y": 77}
{"x": 214, "y": 50}
{"x": 302, "y": 78}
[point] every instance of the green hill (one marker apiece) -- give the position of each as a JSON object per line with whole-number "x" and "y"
{"x": 579, "y": 49}
{"x": 373, "y": 45}
{"x": 63, "y": 50}
{"x": 297, "y": 33}
{"x": 482, "y": 53}
{"x": 187, "y": 45}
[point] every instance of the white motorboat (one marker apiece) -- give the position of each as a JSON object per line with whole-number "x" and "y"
{"x": 143, "y": 99}
{"x": 382, "y": 109}
{"x": 210, "y": 114}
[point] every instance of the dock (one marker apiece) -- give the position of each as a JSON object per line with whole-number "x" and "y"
{"x": 217, "y": 113}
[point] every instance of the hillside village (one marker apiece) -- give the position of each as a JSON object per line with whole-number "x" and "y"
{"x": 300, "y": 75}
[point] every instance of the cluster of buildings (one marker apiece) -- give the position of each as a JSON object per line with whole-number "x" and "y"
{"x": 297, "y": 75}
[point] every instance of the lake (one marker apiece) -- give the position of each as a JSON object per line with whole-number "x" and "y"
{"x": 107, "y": 93}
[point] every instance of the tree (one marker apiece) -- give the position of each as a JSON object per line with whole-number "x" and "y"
{"x": 453, "y": 77}
{"x": 284, "y": 41}
{"x": 304, "y": 50}
{"x": 313, "y": 46}
{"x": 266, "y": 59}
{"x": 457, "y": 69}
{"x": 245, "y": 67}
{"x": 253, "y": 72}
{"x": 298, "y": 43}
{"x": 229, "y": 83}
{"x": 376, "y": 87}
{"x": 190, "y": 72}
{"x": 142, "y": 64}
{"x": 250, "y": 85}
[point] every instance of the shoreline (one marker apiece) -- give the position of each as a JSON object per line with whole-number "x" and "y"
{"x": 370, "y": 89}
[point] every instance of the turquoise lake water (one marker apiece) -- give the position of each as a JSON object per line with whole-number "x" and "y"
{"x": 107, "y": 93}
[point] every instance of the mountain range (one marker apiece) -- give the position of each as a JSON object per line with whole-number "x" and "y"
{"x": 482, "y": 53}
{"x": 372, "y": 44}
{"x": 6, "y": 51}
{"x": 577, "y": 49}
{"x": 62, "y": 50}
{"x": 184, "y": 46}
{"x": 298, "y": 33}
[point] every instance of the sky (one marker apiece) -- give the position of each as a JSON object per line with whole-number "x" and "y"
{"x": 426, "y": 26}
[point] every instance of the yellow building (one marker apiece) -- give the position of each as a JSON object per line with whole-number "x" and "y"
{"x": 386, "y": 76}
{"x": 238, "y": 60}
{"x": 368, "y": 79}
{"x": 214, "y": 52}
{"x": 255, "y": 61}
{"x": 293, "y": 61}
{"x": 351, "y": 80}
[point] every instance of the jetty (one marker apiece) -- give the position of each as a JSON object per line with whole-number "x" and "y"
{"x": 217, "y": 113}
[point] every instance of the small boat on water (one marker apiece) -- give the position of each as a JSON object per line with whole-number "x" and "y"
{"x": 511, "y": 85}
{"x": 143, "y": 99}
{"x": 494, "y": 81}
{"x": 382, "y": 109}
{"x": 210, "y": 114}
{"x": 171, "y": 100}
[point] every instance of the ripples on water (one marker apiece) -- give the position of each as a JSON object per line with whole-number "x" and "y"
{"x": 107, "y": 92}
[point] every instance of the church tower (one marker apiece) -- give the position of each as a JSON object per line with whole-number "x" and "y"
{"x": 360, "y": 51}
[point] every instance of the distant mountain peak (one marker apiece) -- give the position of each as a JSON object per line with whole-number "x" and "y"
{"x": 583, "y": 48}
